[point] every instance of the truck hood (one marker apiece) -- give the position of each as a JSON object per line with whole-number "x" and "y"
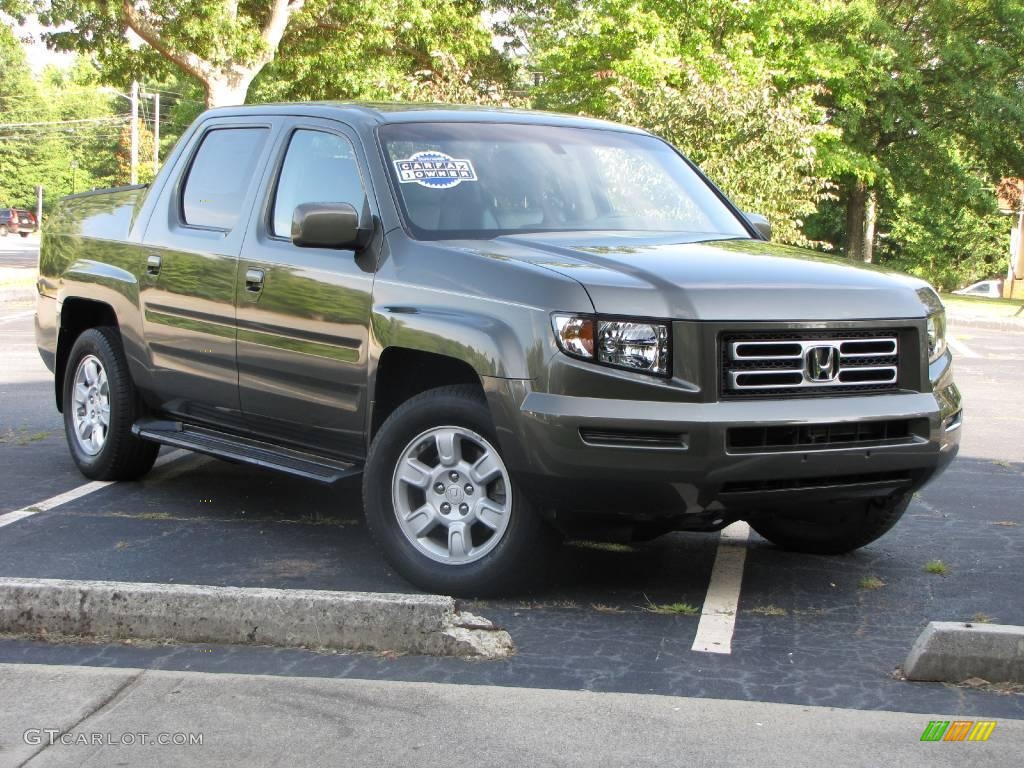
{"x": 737, "y": 279}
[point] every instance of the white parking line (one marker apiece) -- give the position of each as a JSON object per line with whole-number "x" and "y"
{"x": 718, "y": 616}
{"x": 77, "y": 493}
{"x": 17, "y": 316}
{"x": 960, "y": 348}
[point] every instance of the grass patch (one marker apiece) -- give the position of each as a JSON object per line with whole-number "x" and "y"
{"x": 937, "y": 567}
{"x": 871, "y": 582}
{"x": 1003, "y": 464}
{"x": 21, "y": 436}
{"x": 536, "y": 605}
{"x": 602, "y": 546}
{"x": 602, "y": 608}
{"x": 769, "y": 610}
{"x": 982, "y": 618}
{"x": 670, "y": 609}
{"x": 121, "y": 545}
{"x": 336, "y": 522}
{"x": 978, "y": 301}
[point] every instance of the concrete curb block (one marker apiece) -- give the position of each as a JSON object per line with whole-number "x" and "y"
{"x": 419, "y": 624}
{"x": 952, "y": 652}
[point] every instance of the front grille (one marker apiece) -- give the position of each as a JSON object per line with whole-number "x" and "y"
{"x": 774, "y": 363}
{"x": 811, "y": 437}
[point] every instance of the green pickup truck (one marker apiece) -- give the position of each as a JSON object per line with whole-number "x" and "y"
{"x": 516, "y": 326}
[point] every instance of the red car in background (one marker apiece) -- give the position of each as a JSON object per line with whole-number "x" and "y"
{"x": 17, "y": 220}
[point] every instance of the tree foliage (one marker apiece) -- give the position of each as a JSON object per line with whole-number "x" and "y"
{"x": 753, "y": 140}
{"x": 918, "y": 98}
{"x": 318, "y": 48}
{"x": 875, "y": 127}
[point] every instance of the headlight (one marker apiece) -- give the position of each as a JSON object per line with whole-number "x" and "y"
{"x": 635, "y": 345}
{"x": 936, "y": 335}
{"x": 936, "y": 323}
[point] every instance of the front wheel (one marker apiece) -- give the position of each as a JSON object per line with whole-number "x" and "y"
{"x": 848, "y": 526}
{"x": 24, "y": 234}
{"x": 441, "y": 503}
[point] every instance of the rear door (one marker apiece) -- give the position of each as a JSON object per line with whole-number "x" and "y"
{"x": 190, "y": 250}
{"x": 303, "y": 313}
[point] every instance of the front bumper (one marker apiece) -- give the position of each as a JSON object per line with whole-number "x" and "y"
{"x": 646, "y": 460}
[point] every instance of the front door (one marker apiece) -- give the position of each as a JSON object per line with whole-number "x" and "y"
{"x": 187, "y": 286}
{"x": 303, "y": 313}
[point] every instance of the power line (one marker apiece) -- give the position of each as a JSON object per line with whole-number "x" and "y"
{"x": 64, "y": 122}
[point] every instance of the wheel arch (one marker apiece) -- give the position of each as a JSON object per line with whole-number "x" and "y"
{"x": 403, "y": 372}
{"x": 76, "y": 315}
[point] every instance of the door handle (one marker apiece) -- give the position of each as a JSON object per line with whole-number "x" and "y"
{"x": 153, "y": 265}
{"x": 254, "y": 280}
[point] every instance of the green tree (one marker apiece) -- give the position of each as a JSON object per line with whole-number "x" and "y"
{"x": 934, "y": 82}
{"x": 123, "y": 154}
{"x": 21, "y": 111}
{"x": 755, "y": 142}
{"x": 223, "y": 44}
{"x": 703, "y": 75}
{"x": 921, "y": 99}
{"x": 320, "y": 48}
{"x": 368, "y": 49}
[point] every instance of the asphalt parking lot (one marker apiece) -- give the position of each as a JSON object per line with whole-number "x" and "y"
{"x": 808, "y": 630}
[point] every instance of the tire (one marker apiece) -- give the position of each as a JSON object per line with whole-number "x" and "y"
{"x": 834, "y": 532}
{"x": 507, "y": 546}
{"x": 4, "y": 230}
{"x": 24, "y": 234}
{"x": 103, "y": 452}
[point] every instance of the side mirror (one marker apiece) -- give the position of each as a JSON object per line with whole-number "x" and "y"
{"x": 328, "y": 225}
{"x": 760, "y": 224}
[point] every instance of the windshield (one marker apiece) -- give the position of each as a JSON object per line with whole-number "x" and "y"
{"x": 481, "y": 180}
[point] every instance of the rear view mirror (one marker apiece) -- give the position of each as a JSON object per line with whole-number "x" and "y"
{"x": 760, "y": 224}
{"x": 328, "y": 225}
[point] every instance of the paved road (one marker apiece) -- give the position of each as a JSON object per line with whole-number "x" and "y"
{"x": 17, "y": 251}
{"x": 807, "y": 631}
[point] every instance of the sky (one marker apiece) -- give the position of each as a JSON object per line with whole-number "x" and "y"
{"x": 38, "y": 55}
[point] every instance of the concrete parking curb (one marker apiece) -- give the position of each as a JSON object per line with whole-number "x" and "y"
{"x": 952, "y": 652}
{"x": 419, "y": 624}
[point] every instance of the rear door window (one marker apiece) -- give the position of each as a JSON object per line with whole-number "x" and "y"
{"x": 219, "y": 178}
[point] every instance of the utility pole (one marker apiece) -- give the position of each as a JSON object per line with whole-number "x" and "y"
{"x": 135, "y": 132}
{"x": 156, "y": 133}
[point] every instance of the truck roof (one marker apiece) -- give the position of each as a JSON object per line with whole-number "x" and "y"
{"x": 371, "y": 114}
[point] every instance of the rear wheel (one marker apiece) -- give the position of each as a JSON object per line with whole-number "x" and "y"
{"x": 441, "y": 503}
{"x": 4, "y": 230}
{"x": 843, "y": 528}
{"x": 100, "y": 406}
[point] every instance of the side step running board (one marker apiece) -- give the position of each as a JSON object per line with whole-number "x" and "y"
{"x": 244, "y": 450}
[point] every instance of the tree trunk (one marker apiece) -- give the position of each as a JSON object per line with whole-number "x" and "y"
{"x": 228, "y": 89}
{"x": 856, "y": 213}
{"x": 870, "y": 222}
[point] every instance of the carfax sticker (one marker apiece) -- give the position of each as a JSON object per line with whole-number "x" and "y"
{"x": 434, "y": 170}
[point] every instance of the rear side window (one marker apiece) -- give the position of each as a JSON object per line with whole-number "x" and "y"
{"x": 319, "y": 168}
{"x": 220, "y": 176}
